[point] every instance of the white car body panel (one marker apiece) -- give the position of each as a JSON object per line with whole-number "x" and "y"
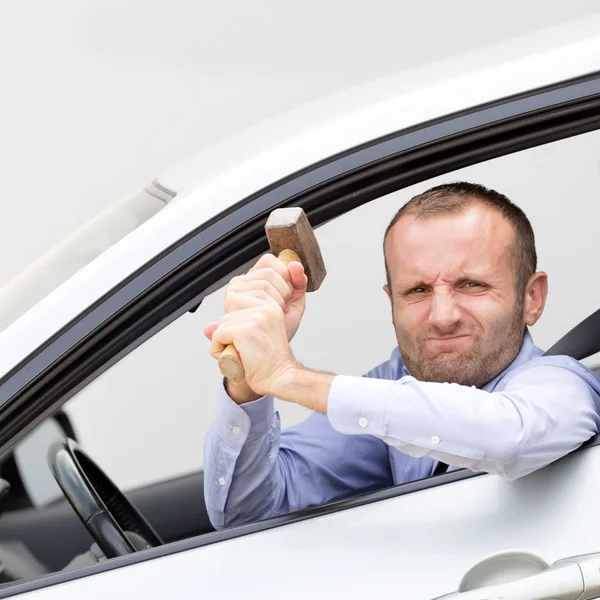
{"x": 416, "y": 546}
{"x": 382, "y": 107}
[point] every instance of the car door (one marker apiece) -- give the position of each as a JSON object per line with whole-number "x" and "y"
{"x": 416, "y": 540}
{"x": 420, "y": 540}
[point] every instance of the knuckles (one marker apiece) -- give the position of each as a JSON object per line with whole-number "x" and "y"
{"x": 264, "y": 286}
{"x": 257, "y": 287}
{"x": 256, "y": 293}
{"x": 265, "y": 315}
{"x": 248, "y": 299}
{"x": 258, "y": 314}
{"x": 268, "y": 260}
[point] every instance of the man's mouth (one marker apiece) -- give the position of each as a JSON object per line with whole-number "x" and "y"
{"x": 449, "y": 343}
{"x": 448, "y": 338}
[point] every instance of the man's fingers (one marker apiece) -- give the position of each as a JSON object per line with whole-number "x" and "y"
{"x": 209, "y": 329}
{"x": 222, "y": 333}
{"x": 260, "y": 288}
{"x": 216, "y": 348}
{"x": 262, "y": 279}
{"x": 281, "y": 282}
{"x": 270, "y": 261}
{"x": 243, "y": 321}
{"x": 250, "y": 316}
{"x": 222, "y": 337}
{"x": 297, "y": 276}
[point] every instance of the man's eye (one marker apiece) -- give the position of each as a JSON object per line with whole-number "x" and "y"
{"x": 473, "y": 284}
{"x": 418, "y": 290}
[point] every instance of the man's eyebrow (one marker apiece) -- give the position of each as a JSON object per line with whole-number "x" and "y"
{"x": 481, "y": 277}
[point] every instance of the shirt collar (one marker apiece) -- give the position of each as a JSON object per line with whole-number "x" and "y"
{"x": 528, "y": 351}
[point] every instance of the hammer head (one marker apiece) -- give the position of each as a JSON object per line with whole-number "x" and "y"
{"x": 289, "y": 229}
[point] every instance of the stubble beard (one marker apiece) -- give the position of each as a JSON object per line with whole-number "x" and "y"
{"x": 475, "y": 368}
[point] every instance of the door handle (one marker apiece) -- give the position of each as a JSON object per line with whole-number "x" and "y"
{"x": 575, "y": 578}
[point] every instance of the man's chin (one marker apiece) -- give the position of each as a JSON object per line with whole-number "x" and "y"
{"x": 447, "y": 368}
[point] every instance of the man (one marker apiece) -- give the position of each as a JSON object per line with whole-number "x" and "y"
{"x": 466, "y": 386}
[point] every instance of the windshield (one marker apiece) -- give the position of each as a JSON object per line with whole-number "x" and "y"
{"x": 81, "y": 248}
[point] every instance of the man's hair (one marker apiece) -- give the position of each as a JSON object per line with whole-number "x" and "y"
{"x": 455, "y": 198}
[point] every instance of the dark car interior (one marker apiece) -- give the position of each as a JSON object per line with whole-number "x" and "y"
{"x": 28, "y": 535}
{"x": 161, "y": 513}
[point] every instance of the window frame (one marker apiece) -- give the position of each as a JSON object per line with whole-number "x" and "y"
{"x": 176, "y": 280}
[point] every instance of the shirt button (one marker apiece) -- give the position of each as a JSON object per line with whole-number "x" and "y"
{"x": 435, "y": 440}
{"x": 363, "y": 422}
{"x": 237, "y": 430}
{"x": 221, "y": 480}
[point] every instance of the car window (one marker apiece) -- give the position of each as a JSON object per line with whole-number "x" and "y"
{"x": 31, "y": 460}
{"x": 158, "y": 402}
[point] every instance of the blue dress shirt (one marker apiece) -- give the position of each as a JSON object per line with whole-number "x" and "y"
{"x": 388, "y": 428}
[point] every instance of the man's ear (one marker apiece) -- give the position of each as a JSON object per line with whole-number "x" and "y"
{"x": 386, "y": 289}
{"x": 536, "y": 291}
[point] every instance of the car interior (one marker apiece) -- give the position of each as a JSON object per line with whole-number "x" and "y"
{"x": 94, "y": 521}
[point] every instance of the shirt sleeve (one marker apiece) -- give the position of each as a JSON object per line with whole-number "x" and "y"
{"x": 252, "y": 471}
{"x": 541, "y": 414}
{"x": 233, "y": 428}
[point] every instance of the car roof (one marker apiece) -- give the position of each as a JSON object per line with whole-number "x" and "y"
{"x": 213, "y": 180}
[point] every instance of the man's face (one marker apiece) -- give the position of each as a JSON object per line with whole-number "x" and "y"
{"x": 453, "y": 293}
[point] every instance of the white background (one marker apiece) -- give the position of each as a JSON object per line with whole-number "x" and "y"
{"x": 99, "y": 97}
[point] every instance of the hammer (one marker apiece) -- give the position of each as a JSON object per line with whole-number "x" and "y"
{"x": 291, "y": 238}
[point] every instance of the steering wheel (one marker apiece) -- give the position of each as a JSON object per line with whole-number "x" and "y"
{"x": 98, "y": 502}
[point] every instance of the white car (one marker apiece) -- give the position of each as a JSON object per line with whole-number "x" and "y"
{"x": 153, "y": 258}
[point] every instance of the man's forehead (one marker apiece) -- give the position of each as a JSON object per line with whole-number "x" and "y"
{"x": 473, "y": 237}
{"x": 476, "y": 222}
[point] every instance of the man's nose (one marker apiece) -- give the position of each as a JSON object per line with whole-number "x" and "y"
{"x": 444, "y": 313}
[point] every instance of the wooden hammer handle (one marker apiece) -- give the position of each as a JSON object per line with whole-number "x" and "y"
{"x": 230, "y": 363}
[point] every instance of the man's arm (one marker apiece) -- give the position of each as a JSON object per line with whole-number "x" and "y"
{"x": 250, "y": 473}
{"x": 253, "y": 472}
{"x": 540, "y": 414}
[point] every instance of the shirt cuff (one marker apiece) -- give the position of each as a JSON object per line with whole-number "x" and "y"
{"x": 357, "y": 404}
{"x": 237, "y": 423}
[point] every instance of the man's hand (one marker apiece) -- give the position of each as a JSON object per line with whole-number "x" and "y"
{"x": 260, "y": 337}
{"x": 258, "y": 331}
{"x": 268, "y": 281}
